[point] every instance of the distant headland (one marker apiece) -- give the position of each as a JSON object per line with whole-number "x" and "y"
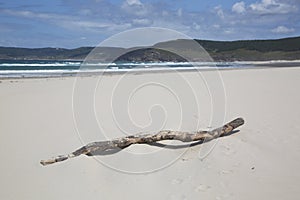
{"x": 241, "y": 50}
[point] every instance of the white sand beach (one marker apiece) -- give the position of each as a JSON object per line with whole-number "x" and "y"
{"x": 41, "y": 118}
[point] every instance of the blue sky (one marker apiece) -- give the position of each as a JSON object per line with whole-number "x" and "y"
{"x": 74, "y": 23}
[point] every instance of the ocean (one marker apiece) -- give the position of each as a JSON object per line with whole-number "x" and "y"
{"x": 58, "y": 68}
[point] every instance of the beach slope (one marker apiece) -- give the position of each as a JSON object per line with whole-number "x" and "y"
{"x": 40, "y": 118}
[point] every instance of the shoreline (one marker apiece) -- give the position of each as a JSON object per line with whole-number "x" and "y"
{"x": 110, "y": 72}
{"x": 115, "y": 73}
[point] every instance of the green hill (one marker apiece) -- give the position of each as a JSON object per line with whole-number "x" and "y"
{"x": 243, "y": 50}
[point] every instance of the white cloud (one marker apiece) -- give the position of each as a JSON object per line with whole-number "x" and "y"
{"x": 239, "y": 7}
{"x": 216, "y": 26}
{"x": 219, "y": 11}
{"x": 36, "y": 15}
{"x": 179, "y": 12}
{"x": 70, "y": 22}
{"x": 196, "y": 26}
{"x": 134, "y": 7}
{"x": 282, "y": 29}
{"x": 243, "y": 20}
{"x": 229, "y": 31}
{"x": 133, "y": 2}
{"x": 142, "y": 22}
{"x": 272, "y": 7}
{"x": 89, "y": 24}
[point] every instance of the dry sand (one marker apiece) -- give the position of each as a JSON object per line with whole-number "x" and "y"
{"x": 41, "y": 118}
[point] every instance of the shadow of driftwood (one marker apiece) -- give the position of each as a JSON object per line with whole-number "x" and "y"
{"x": 156, "y": 144}
{"x": 168, "y": 146}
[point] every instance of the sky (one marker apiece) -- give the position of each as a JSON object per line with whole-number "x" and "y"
{"x": 75, "y": 23}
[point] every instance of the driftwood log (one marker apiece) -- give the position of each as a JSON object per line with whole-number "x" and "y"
{"x": 96, "y": 148}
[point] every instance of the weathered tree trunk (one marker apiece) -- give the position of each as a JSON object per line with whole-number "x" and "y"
{"x": 96, "y": 148}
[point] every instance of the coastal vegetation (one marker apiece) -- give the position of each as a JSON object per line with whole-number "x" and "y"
{"x": 243, "y": 50}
